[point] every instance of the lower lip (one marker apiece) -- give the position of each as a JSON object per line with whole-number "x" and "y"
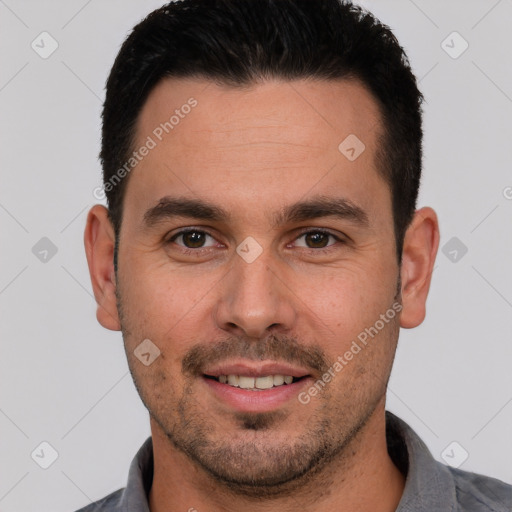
{"x": 246, "y": 400}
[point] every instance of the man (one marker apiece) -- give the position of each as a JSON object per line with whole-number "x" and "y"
{"x": 260, "y": 251}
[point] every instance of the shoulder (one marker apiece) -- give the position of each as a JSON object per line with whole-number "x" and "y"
{"x": 110, "y": 503}
{"x": 480, "y": 493}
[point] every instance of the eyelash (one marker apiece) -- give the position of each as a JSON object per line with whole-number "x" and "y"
{"x": 200, "y": 250}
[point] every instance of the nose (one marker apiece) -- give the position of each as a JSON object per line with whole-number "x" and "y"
{"x": 255, "y": 299}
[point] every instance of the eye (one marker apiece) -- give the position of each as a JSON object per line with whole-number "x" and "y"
{"x": 317, "y": 239}
{"x": 192, "y": 239}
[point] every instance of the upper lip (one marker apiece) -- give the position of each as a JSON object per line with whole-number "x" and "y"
{"x": 252, "y": 369}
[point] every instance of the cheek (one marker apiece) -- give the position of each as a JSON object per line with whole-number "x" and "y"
{"x": 351, "y": 299}
{"x": 150, "y": 304}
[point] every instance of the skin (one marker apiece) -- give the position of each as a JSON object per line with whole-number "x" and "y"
{"x": 253, "y": 151}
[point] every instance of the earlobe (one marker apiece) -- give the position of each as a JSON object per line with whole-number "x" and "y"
{"x": 99, "y": 241}
{"x": 418, "y": 256}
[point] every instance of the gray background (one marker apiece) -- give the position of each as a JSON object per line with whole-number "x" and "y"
{"x": 64, "y": 379}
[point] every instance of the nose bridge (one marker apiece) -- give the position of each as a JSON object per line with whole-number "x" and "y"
{"x": 253, "y": 297}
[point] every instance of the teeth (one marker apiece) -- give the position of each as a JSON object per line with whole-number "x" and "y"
{"x": 278, "y": 380}
{"x": 264, "y": 382}
{"x": 245, "y": 382}
{"x": 255, "y": 383}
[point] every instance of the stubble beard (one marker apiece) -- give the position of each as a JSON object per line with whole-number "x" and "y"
{"x": 246, "y": 462}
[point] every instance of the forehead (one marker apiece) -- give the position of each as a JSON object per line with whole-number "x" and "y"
{"x": 276, "y": 138}
{"x": 300, "y": 107}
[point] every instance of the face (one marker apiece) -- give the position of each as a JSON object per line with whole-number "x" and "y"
{"x": 253, "y": 247}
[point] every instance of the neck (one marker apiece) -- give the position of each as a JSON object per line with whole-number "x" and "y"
{"x": 362, "y": 477}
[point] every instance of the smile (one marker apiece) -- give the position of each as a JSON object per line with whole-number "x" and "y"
{"x": 255, "y": 383}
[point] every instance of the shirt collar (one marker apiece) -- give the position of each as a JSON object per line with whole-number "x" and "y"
{"x": 429, "y": 485}
{"x": 140, "y": 477}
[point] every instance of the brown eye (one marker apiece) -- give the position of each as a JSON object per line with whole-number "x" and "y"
{"x": 191, "y": 239}
{"x": 317, "y": 239}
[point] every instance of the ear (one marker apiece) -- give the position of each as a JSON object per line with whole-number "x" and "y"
{"x": 418, "y": 256}
{"x": 99, "y": 240}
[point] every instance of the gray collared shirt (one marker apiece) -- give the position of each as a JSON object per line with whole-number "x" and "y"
{"x": 430, "y": 485}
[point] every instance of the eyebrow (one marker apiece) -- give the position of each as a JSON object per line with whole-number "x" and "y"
{"x": 317, "y": 207}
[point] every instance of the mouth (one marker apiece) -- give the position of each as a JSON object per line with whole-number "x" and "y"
{"x": 247, "y": 387}
{"x": 255, "y": 383}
